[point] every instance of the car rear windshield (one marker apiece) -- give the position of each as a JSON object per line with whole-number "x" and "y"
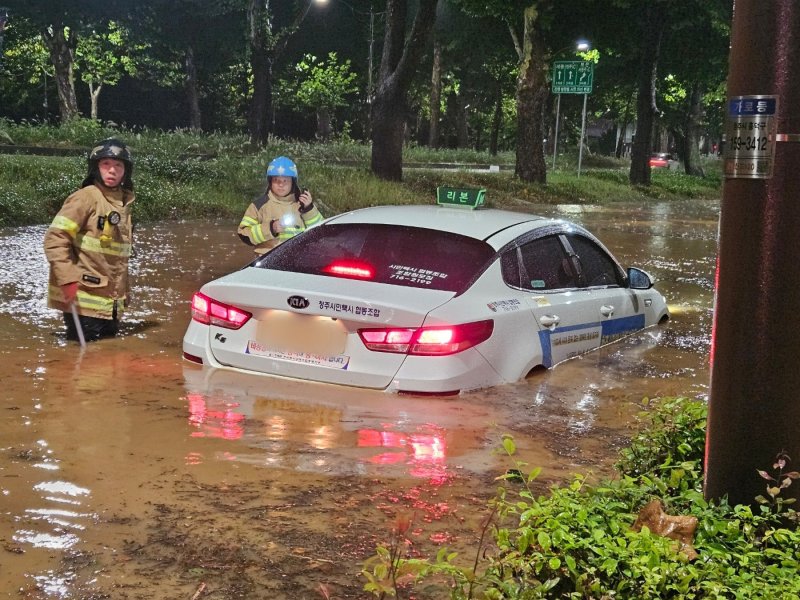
{"x": 391, "y": 254}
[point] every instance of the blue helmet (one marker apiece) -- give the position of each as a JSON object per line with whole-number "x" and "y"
{"x": 282, "y": 167}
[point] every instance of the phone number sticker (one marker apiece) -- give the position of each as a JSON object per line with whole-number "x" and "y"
{"x": 340, "y": 361}
{"x": 750, "y": 137}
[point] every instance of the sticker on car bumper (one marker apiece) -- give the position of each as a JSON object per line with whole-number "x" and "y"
{"x": 340, "y": 361}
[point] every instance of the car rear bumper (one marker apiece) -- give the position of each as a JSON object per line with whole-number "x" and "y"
{"x": 460, "y": 372}
{"x": 464, "y": 371}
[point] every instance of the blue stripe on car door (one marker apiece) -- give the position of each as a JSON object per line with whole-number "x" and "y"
{"x": 609, "y": 327}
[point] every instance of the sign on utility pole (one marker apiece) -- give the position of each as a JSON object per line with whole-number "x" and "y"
{"x": 750, "y": 137}
{"x": 572, "y": 77}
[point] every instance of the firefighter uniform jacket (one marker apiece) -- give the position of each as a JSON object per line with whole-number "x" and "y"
{"x": 255, "y": 226}
{"x": 84, "y": 245}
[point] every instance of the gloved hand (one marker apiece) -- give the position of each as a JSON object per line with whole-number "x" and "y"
{"x": 305, "y": 199}
{"x": 69, "y": 291}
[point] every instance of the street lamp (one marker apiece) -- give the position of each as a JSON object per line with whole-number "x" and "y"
{"x": 371, "y": 40}
{"x": 580, "y": 46}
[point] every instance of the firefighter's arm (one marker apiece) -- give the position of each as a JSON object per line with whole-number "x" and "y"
{"x": 251, "y": 230}
{"x": 59, "y": 240}
{"x": 309, "y": 212}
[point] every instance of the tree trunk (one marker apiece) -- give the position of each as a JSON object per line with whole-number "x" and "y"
{"x": 261, "y": 66}
{"x": 324, "y": 127}
{"x": 388, "y": 127}
{"x": 61, "y": 55}
{"x": 436, "y": 95}
{"x": 691, "y": 148}
{"x": 646, "y": 108}
{"x": 497, "y": 121}
{"x": 193, "y": 91}
{"x": 401, "y": 56}
{"x": 626, "y": 119}
{"x": 462, "y": 123}
{"x": 94, "y": 94}
{"x": 531, "y": 99}
{"x": 266, "y": 47}
{"x": 261, "y": 103}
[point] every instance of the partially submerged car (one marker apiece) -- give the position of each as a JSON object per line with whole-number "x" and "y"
{"x": 421, "y": 299}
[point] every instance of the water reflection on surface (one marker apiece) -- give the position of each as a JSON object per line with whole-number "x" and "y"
{"x": 128, "y": 472}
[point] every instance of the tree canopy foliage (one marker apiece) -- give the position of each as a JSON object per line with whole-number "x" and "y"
{"x": 243, "y": 65}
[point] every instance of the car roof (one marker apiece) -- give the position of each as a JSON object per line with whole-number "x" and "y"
{"x": 480, "y": 224}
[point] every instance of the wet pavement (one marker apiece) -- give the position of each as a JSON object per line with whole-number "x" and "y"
{"x": 126, "y": 472}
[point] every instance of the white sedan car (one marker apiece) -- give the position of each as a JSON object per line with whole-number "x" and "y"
{"x": 421, "y": 300}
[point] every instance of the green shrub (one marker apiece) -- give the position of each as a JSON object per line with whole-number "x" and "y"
{"x": 668, "y": 454}
{"x": 578, "y": 542}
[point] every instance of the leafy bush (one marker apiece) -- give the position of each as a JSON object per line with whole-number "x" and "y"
{"x": 668, "y": 454}
{"x": 578, "y": 541}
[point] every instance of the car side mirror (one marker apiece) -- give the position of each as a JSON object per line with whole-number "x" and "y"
{"x": 638, "y": 279}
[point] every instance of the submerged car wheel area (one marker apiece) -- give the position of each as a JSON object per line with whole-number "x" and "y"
{"x": 421, "y": 299}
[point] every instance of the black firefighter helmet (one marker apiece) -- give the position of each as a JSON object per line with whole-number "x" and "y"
{"x": 110, "y": 148}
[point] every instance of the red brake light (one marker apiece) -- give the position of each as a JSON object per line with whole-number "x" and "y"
{"x": 210, "y": 312}
{"x": 427, "y": 341}
{"x": 387, "y": 340}
{"x": 350, "y": 268}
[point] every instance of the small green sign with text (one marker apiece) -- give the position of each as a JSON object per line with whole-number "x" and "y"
{"x": 572, "y": 77}
{"x": 466, "y": 197}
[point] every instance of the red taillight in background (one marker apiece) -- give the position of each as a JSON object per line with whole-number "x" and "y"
{"x": 351, "y": 269}
{"x": 427, "y": 341}
{"x": 210, "y": 312}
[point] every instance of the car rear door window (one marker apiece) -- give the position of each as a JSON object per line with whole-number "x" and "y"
{"x": 540, "y": 264}
{"x": 390, "y": 254}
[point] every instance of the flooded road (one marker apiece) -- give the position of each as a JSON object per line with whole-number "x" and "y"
{"x": 126, "y": 472}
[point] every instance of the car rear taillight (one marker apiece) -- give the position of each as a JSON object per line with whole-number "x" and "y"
{"x": 210, "y": 312}
{"x": 427, "y": 341}
{"x": 351, "y": 269}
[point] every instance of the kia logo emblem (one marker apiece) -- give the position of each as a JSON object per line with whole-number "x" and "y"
{"x": 297, "y": 302}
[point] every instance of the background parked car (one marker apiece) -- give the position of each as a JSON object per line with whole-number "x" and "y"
{"x": 663, "y": 160}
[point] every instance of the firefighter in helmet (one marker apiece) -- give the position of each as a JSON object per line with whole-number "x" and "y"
{"x": 282, "y": 212}
{"x": 88, "y": 245}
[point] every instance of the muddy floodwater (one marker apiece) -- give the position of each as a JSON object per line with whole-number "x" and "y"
{"x": 126, "y": 472}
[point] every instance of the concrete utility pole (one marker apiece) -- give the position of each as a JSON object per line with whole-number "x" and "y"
{"x": 754, "y": 409}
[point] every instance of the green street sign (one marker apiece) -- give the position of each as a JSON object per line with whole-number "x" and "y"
{"x": 466, "y": 197}
{"x": 572, "y": 77}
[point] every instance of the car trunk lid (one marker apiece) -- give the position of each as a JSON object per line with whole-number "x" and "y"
{"x": 306, "y": 326}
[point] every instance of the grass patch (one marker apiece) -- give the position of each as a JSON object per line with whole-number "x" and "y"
{"x": 184, "y": 174}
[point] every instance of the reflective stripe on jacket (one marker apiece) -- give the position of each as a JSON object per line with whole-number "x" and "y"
{"x": 79, "y": 250}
